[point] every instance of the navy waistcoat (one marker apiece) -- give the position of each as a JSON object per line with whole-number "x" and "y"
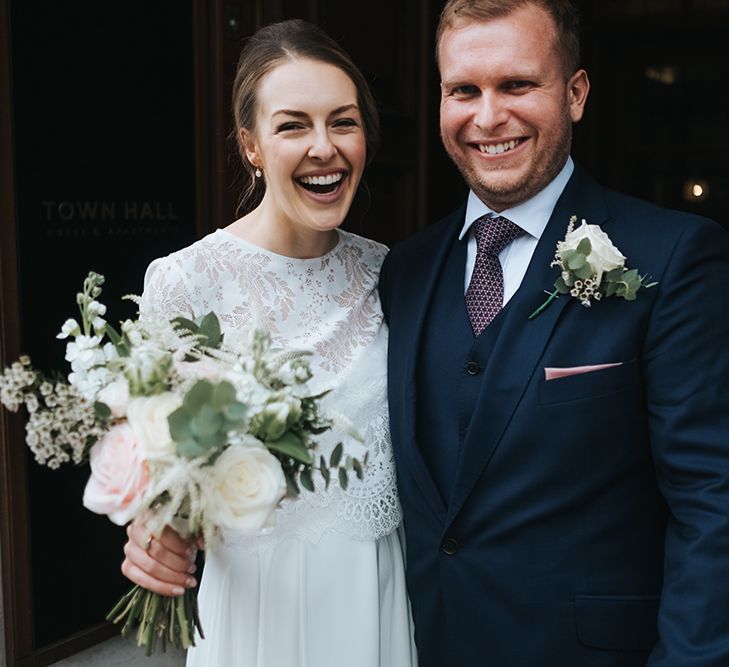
{"x": 451, "y": 361}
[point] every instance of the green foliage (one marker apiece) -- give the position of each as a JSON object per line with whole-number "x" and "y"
{"x": 102, "y": 411}
{"x": 205, "y": 328}
{"x": 208, "y": 412}
{"x": 291, "y": 445}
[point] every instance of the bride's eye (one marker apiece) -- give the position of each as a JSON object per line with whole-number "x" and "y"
{"x": 345, "y": 122}
{"x": 289, "y": 126}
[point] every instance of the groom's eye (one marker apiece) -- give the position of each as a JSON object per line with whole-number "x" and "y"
{"x": 466, "y": 90}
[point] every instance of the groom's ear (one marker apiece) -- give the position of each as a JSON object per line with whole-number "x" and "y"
{"x": 578, "y": 87}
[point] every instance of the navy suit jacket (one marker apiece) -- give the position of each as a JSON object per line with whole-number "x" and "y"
{"x": 589, "y": 520}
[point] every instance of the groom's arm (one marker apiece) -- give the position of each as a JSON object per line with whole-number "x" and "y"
{"x": 686, "y": 367}
{"x": 383, "y": 288}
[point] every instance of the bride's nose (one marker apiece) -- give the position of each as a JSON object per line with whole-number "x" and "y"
{"x": 322, "y": 147}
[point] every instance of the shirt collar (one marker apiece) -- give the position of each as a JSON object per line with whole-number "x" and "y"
{"x": 532, "y": 215}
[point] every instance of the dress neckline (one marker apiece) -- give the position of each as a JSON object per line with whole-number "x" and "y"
{"x": 278, "y": 256}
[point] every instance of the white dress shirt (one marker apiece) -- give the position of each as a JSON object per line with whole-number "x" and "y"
{"x": 532, "y": 216}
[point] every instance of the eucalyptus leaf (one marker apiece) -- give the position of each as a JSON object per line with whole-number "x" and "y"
{"x": 576, "y": 261}
{"x": 190, "y": 449}
{"x": 179, "y": 423}
{"x": 305, "y": 479}
{"x": 584, "y": 272}
{"x": 343, "y": 479}
{"x": 199, "y": 394}
{"x": 611, "y": 288}
{"x": 292, "y": 488}
{"x": 222, "y": 394}
{"x": 359, "y": 471}
{"x": 235, "y": 412}
{"x": 206, "y": 422}
{"x": 615, "y": 274}
{"x": 584, "y": 247}
{"x": 336, "y": 456}
{"x": 291, "y": 445}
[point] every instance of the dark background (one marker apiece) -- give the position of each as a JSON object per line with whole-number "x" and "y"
{"x": 116, "y": 119}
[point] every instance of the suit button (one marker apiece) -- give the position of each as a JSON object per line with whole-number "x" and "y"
{"x": 472, "y": 368}
{"x": 450, "y": 546}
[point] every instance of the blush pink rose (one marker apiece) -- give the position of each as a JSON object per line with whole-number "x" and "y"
{"x": 119, "y": 476}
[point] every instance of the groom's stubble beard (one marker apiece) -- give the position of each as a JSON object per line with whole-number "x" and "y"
{"x": 500, "y": 193}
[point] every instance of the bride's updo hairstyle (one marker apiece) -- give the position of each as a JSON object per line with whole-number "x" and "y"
{"x": 267, "y": 49}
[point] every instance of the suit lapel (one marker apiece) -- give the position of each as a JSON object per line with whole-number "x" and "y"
{"x": 521, "y": 342}
{"x": 423, "y": 277}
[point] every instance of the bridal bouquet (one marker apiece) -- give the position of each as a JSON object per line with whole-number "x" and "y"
{"x": 181, "y": 426}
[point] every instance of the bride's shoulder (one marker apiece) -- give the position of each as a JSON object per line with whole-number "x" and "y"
{"x": 371, "y": 252}
{"x": 189, "y": 258}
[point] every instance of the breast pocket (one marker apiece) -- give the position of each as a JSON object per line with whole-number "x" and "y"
{"x": 594, "y": 384}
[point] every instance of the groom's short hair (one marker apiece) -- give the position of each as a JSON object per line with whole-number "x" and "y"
{"x": 563, "y": 12}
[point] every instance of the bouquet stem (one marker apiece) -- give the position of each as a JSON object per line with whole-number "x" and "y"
{"x": 155, "y": 616}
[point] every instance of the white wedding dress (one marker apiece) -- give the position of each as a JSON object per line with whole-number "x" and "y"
{"x": 326, "y": 586}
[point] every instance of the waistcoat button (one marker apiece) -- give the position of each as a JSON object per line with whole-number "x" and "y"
{"x": 450, "y": 546}
{"x": 472, "y": 368}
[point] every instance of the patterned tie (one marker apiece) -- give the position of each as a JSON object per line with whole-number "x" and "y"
{"x": 485, "y": 293}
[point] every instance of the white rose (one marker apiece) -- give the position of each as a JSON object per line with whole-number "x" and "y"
{"x": 147, "y": 417}
{"x": 116, "y": 397}
{"x": 603, "y": 257}
{"x": 248, "y": 484}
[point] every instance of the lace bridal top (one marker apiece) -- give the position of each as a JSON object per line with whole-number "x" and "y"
{"x": 328, "y": 305}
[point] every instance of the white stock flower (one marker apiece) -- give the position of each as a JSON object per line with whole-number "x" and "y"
{"x": 147, "y": 417}
{"x": 603, "y": 257}
{"x": 110, "y": 352}
{"x": 200, "y": 369}
{"x": 84, "y": 352}
{"x": 70, "y": 328}
{"x": 116, "y": 396}
{"x": 96, "y": 308}
{"x": 248, "y": 484}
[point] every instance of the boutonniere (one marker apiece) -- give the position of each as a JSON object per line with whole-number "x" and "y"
{"x": 592, "y": 268}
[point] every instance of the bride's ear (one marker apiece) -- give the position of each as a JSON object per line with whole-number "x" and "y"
{"x": 249, "y": 147}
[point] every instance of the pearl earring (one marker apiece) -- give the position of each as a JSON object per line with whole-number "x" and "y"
{"x": 258, "y": 173}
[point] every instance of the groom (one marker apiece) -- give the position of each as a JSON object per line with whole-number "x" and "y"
{"x": 564, "y": 479}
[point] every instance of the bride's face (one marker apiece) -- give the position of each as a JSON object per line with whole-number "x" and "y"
{"x": 309, "y": 143}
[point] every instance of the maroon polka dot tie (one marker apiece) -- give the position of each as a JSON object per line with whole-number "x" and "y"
{"x": 485, "y": 293}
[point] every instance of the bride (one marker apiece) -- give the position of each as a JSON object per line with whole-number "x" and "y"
{"x": 326, "y": 586}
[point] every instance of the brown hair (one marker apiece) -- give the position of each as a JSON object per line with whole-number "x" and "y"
{"x": 563, "y": 12}
{"x": 264, "y": 51}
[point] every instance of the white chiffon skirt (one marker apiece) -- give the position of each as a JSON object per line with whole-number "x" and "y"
{"x": 336, "y": 603}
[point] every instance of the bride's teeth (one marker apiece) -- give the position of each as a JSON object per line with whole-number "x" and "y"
{"x": 330, "y": 179}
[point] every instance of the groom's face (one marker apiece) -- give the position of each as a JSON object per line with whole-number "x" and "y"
{"x": 507, "y": 106}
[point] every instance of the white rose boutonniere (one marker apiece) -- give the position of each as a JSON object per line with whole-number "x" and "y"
{"x": 592, "y": 268}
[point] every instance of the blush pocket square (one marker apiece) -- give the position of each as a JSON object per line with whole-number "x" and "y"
{"x": 554, "y": 373}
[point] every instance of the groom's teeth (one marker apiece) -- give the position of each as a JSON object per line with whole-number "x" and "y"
{"x": 330, "y": 179}
{"x": 494, "y": 149}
